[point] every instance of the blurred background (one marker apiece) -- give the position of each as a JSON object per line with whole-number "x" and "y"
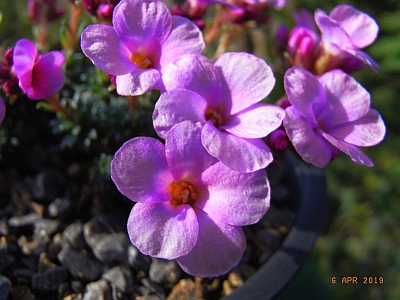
{"x": 361, "y": 235}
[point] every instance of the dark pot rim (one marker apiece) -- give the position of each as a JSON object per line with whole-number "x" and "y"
{"x": 280, "y": 269}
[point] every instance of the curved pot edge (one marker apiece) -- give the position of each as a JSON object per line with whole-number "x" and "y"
{"x": 279, "y": 270}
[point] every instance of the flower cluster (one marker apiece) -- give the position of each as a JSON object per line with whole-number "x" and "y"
{"x": 204, "y": 177}
{"x": 342, "y": 34}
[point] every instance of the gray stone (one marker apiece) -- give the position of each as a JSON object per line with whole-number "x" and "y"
{"x": 5, "y": 287}
{"x": 121, "y": 277}
{"x": 152, "y": 291}
{"x": 110, "y": 248}
{"x": 25, "y": 220}
{"x": 138, "y": 260}
{"x": 46, "y": 226}
{"x": 164, "y": 271}
{"x": 59, "y": 206}
{"x": 80, "y": 264}
{"x": 73, "y": 234}
{"x": 98, "y": 290}
{"x": 49, "y": 280}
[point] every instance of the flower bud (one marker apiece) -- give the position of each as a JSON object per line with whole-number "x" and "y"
{"x": 11, "y": 86}
{"x": 301, "y": 46}
{"x": 105, "y": 11}
{"x": 278, "y": 140}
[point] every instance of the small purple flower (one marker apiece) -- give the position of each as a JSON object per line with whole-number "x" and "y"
{"x": 330, "y": 112}
{"x": 39, "y": 75}
{"x": 224, "y": 96}
{"x": 2, "y": 110}
{"x": 144, "y": 39}
{"x": 344, "y": 32}
{"x": 190, "y": 207}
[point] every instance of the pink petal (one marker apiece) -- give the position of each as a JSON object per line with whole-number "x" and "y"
{"x": 142, "y": 21}
{"x": 249, "y": 78}
{"x": 185, "y": 154}
{"x": 104, "y": 48}
{"x": 348, "y": 100}
{"x": 305, "y": 93}
{"x": 140, "y": 171}
{"x": 177, "y": 106}
{"x": 185, "y": 38}
{"x": 219, "y": 248}
{"x": 365, "y": 58}
{"x": 235, "y": 198}
{"x": 332, "y": 32}
{"x": 311, "y": 147}
{"x": 24, "y": 56}
{"x": 245, "y": 155}
{"x": 369, "y": 130}
{"x": 355, "y": 154}
{"x": 257, "y": 121}
{"x": 195, "y": 73}
{"x": 138, "y": 82}
{"x": 361, "y": 28}
{"x": 305, "y": 19}
{"x": 47, "y": 76}
{"x": 163, "y": 230}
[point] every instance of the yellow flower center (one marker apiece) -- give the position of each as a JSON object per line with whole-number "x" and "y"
{"x": 182, "y": 193}
{"x": 141, "y": 60}
{"x": 214, "y": 116}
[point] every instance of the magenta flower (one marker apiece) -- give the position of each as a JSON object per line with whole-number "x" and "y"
{"x": 144, "y": 39}
{"x": 344, "y": 32}
{"x": 2, "y": 110}
{"x": 330, "y": 112}
{"x": 226, "y": 102}
{"x": 189, "y": 206}
{"x": 39, "y": 75}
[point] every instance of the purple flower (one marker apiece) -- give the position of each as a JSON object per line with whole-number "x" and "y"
{"x": 39, "y": 75}
{"x": 344, "y": 32}
{"x": 330, "y": 112}
{"x": 2, "y": 110}
{"x": 144, "y": 39}
{"x": 226, "y": 101}
{"x": 189, "y": 206}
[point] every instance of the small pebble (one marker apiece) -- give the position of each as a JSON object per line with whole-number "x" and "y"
{"x": 5, "y": 287}
{"x": 121, "y": 277}
{"x": 186, "y": 289}
{"x": 110, "y": 248}
{"x": 49, "y": 280}
{"x": 79, "y": 264}
{"x": 164, "y": 271}
{"x": 73, "y": 234}
{"x": 98, "y": 290}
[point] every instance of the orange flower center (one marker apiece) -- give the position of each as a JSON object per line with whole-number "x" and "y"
{"x": 182, "y": 193}
{"x": 214, "y": 116}
{"x": 141, "y": 60}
